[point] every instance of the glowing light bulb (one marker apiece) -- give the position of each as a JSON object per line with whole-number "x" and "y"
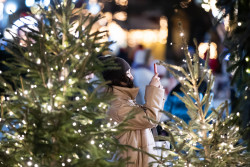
{"x": 77, "y": 57}
{"x": 38, "y": 61}
{"x": 29, "y": 163}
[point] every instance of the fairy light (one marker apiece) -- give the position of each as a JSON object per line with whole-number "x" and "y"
{"x": 56, "y": 20}
{"x": 248, "y": 70}
{"x": 181, "y": 34}
{"x": 77, "y": 98}
{"x": 97, "y": 49}
{"x": 68, "y": 160}
{"x": 247, "y": 59}
{"x": 108, "y": 124}
{"x": 239, "y": 23}
{"x": 84, "y": 108}
{"x": 49, "y": 85}
{"x": 38, "y": 61}
{"x": 63, "y": 164}
{"x": 108, "y": 151}
{"x": 92, "y": 142}
{"x": 86, "y": 53}
{"x": 11, "y": 113}
{"x": 62, "y": 78}
{"x": 74, "y": 123}
{"x": 74, "y": 71}
{"x": 238, "y": 114}
{"x": 88, "y": 156}
{"x": 49, "y": 108}
{"x": 29, "y": 163}
{"x": 77, "y": 57}
{"x": 25, "y": 92}
{"x": 36, "y": 165}
{"x": 83, "y": 44}
{"x": 79, "y": 130}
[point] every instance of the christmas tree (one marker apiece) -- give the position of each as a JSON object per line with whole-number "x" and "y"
{"x": 208, "y": 139}
{"x": 237, "y": 45}
{"x": 52, "y": 114}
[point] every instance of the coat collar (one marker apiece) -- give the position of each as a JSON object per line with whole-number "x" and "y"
{"x": 129, "y": 93}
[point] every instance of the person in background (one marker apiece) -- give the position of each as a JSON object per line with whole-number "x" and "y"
{"x": 176, "y": 107}
{"x": 142, "y": 74}
{"x": 138, "y": 129}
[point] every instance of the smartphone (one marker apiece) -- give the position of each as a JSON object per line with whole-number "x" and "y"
{"x": 155, "y": 68}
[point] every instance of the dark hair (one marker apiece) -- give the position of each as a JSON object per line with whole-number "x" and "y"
{"x": 116, "y": 73}
{"x": 123, "y": 79}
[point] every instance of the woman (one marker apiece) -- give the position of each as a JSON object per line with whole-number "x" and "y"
{"x": 138, "y": 129}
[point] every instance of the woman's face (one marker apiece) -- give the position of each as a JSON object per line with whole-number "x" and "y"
{"x": 128, "y": 73}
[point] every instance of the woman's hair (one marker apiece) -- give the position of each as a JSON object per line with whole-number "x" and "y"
{"x": 116, "y": 72}
{"x": 123, "y": 81}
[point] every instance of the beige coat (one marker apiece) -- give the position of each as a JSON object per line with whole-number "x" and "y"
{"x": 139, "y": 133}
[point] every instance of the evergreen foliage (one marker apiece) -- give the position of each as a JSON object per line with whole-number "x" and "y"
{"x": 51, "y": 113}
{"x": 208, "y": 139}
{"x": 238, "y": 48}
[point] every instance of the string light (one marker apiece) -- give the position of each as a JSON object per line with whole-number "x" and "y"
{"x": 49, "y": 108}
{"x": 38, "y": 61}
{"x": 77, "y": 57}
{"x": 239, "y": 23}
{"x": 92, "y": 142}
{"x": 97, "y": 49}
{"x": 29, "y": 163}
{"x": 62, "y": 78}
{"x": 248, "y": 70}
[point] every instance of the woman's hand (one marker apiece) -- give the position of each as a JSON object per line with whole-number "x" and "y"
{"x": 155, "y": 81}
